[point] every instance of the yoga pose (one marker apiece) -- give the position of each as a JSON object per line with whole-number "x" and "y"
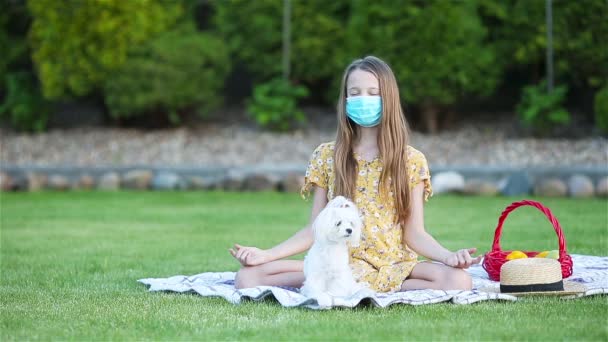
{"x": 371, "y": 163}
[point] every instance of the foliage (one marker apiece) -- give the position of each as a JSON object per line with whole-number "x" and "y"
{"x": 601, "y": 109}
{"x": 437, "y": 64}
{"x": 253, "y": 32}
{"x": 24, "y": 106}
{"x": 437, "y": 50}
{"x": 4, "y": 44}
{"x": 274, "y": 104}
{"x": 77, "y": 43}
{"x": 13, "y": 19}
{"x": 442, "y": 52}
{"x": 518, "y": 33}
{"x": 582, "y": 41}
{"x": 516, "y": 30}
{"x": 180, "y": 70}
{"x": 542, "y": 111}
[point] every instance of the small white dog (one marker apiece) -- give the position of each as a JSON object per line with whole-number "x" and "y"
{"x": 326, "y": 266}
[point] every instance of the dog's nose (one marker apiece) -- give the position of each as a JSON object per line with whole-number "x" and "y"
{"x": 349, "y": 231}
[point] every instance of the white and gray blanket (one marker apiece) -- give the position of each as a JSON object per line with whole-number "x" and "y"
{"x": 592, "y": 271}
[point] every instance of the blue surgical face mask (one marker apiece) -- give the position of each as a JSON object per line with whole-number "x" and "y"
{"x": 365, "y": 111}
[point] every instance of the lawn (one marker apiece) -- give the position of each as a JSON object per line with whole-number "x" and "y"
{"x": 70, "y": 261}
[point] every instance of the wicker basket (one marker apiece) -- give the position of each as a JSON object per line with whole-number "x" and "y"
{"x": 494, "y": 259}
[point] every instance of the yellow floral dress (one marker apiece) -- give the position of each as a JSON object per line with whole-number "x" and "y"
{"x": 382, "y": 261}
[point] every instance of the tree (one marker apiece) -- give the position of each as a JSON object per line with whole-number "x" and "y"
{"x": 580, "y": 38}
{"x": 76, "y": 44}
{"x": 22, "y": 102}
{"x": 437, "y": 50}
{"x": 180, "y": 70}
{"x": 252, "y": 30}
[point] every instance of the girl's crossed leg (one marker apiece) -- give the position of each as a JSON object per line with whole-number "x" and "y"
{"x": 274, "y": 273}
{"x": 429, "y": 275}
{"x": 425, "y": 275}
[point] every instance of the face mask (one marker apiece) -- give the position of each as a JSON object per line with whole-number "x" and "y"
{"x": 365, "y": 111}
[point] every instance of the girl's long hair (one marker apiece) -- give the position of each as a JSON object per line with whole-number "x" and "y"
{"x": 393, "y": 139}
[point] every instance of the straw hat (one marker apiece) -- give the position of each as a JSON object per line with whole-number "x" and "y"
{"x": 535, "y": 276}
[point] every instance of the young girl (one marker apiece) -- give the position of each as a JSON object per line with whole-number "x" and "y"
{"x": 371, "y": 163}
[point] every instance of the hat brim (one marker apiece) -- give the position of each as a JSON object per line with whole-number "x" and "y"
{"x": 570, "y": 289}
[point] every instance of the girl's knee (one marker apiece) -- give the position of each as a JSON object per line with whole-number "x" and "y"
{"x": 458, "y": 279}
{"x": 247, "y": 277}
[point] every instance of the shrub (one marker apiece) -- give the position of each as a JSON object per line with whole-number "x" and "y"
{"x": 542, "y": 111}
{"x": 14, "y": 21}
{"x": 601, "y": 109}
{"x": 274, "y": 104}
{"x": 180, "y": 70}
{"x": 77, "y": 43}
{"x": 24, "y": 106}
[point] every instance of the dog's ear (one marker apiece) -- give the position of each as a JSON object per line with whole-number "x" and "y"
{"x": 346, "y": 203}
{"x": 335, "y": 202}
{"x": 349, "y": 204}
{"x": 323, "y": 223}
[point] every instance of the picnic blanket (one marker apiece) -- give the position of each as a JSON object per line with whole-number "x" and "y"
{"x": 592, "y": 271}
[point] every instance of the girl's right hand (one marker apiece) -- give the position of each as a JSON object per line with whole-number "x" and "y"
{"x": 250, "y": 256}
{"x": 462, "y": 258}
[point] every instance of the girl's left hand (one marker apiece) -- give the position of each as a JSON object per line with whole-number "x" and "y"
{"x": 462, "y": 258}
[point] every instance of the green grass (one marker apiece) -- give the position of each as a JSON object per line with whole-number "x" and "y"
{"x": 70, "y": 262}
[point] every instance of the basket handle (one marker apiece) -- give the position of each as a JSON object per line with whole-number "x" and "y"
{"x": 539, "y": 206}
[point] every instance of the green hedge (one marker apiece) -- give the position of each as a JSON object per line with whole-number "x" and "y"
{"x": 76, "y": 44}
{"x": 180, "y": 70}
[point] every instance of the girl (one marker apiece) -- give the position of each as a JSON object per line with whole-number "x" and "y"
{"x": 372, "y": 163}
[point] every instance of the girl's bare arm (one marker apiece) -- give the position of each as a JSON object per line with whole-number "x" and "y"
{"x": 424, "y": 244}
{"x": 298, "y": 243}
{"x": 303, "y": 239}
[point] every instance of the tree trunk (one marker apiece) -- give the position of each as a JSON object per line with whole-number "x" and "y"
{"x": 430, "y": 114}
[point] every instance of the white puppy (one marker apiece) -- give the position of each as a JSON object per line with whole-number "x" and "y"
{"x": 326, "y": 266}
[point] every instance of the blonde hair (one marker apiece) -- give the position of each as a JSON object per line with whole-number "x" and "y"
{"x": 393, "y": 138}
